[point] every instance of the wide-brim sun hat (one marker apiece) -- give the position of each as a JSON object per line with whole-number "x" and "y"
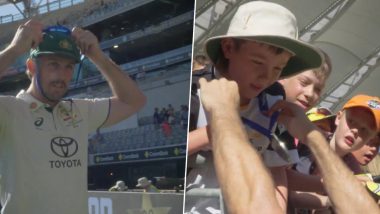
{"x": 272, "y": 24}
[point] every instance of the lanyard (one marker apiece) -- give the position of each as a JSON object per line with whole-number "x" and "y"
{"x": 263, "y": 106}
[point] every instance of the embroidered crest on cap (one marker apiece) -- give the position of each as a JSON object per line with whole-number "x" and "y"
{"x": 65, "y": 44}
{"x": 374, "y": 104}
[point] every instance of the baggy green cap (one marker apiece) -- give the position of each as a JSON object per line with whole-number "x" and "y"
{"x": 57, "y": 43}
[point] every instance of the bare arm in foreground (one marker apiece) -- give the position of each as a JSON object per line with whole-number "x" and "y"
{"x": 28, "y": 35}
{"x": 346, "y": 193}
{"x": 245, "y": 181}
{"x": 127, "y": 98}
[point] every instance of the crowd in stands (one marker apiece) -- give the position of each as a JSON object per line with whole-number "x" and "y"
{"x": 156, "y": 131}
{"x": 74, "y": 15}
{"x": 166, "y": 117}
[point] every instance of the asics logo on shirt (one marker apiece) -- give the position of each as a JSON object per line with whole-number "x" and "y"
{"x": 39, "y": 121}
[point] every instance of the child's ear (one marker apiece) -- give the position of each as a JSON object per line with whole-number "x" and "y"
{"x": 227, "y": 47}
{"x": 338, "y": 117}
{"x": 31, "y": 66}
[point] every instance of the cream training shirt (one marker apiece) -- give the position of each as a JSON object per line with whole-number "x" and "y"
{"x": 43, "y": 153}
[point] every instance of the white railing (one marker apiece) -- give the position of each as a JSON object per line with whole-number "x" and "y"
{"x": 49, "y": 7}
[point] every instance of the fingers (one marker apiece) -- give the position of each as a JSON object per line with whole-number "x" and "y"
{"x": 35, "y": 31}
{"x": 84, "y": 39}
{"x": 219, "y": 93}
{"x": 28, "y": 35}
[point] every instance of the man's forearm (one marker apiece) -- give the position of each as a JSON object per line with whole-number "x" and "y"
{"x": 7, "y": 58}
{"x": 245, "y": 182}
{"x": 346, "y": 194}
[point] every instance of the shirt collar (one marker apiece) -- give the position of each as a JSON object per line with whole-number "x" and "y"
{"x": 35, "y": 104}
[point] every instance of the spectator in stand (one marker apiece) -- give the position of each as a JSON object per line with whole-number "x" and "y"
{"x": 373, "y": 167}
{"x": 166, "y": 128}
{"x": 170, "y": 110}
{"x": 368, "y": 152}
{"x": 171, "y": 115}
{"x": 171, "y": 119}
{"x": 119, "y": 187}
{"x": 163, "y": 115}
{"x": 363, "y": 156}
{"x": 147, "y": 185}
{"x": 184, "y": 114}
{"x": 99, "y": 137}
{"x": 355, "y": 125}
{"x": 156, "y": 118}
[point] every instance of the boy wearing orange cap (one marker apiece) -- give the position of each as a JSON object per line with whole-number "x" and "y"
{"x": 355, "y": 125}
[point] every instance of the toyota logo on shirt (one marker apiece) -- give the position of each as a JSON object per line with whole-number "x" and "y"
{"x": 64, "y": 147}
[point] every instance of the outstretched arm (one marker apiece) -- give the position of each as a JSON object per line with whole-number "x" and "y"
{"x": 346, "y": 193}
{"x": 245, "y": 182}
{"x": 28, "y": 35}
{"x": 127, "y": 97}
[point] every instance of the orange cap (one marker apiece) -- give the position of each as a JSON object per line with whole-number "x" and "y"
{"x": 368, "y": 102}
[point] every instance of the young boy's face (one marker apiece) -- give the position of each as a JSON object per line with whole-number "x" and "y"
{"x": 367, "y": 152}
{"x": 355, "y": 127}
{"x": 303, "y": 89}
{"x": 254, "y": 66}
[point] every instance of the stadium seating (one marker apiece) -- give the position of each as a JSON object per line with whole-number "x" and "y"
{"x": 146, "y": 136}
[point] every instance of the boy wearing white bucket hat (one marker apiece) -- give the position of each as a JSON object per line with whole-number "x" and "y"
{"x": 260, "y": 46}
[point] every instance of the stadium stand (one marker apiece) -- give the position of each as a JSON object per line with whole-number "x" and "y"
{"x": 147, "y": 136}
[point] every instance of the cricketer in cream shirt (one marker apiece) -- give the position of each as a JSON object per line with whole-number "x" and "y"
{"x": 43, "y": 153}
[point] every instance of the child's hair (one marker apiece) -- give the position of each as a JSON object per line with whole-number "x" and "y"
{"x": 324, "y": 71}
{"x": 201, "y": 59}
{"x": 222, "y": 63}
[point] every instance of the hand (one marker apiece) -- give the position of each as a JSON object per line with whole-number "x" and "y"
{"x": 27, "y": 36}
{"x": 87, "y": 42}
{"x": 294, "y": 119}
{"x": 219, "y": 94}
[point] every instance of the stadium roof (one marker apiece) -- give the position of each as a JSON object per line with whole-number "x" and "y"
{"x": 4, "y": 2}
{"x": 347, "y": 30}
